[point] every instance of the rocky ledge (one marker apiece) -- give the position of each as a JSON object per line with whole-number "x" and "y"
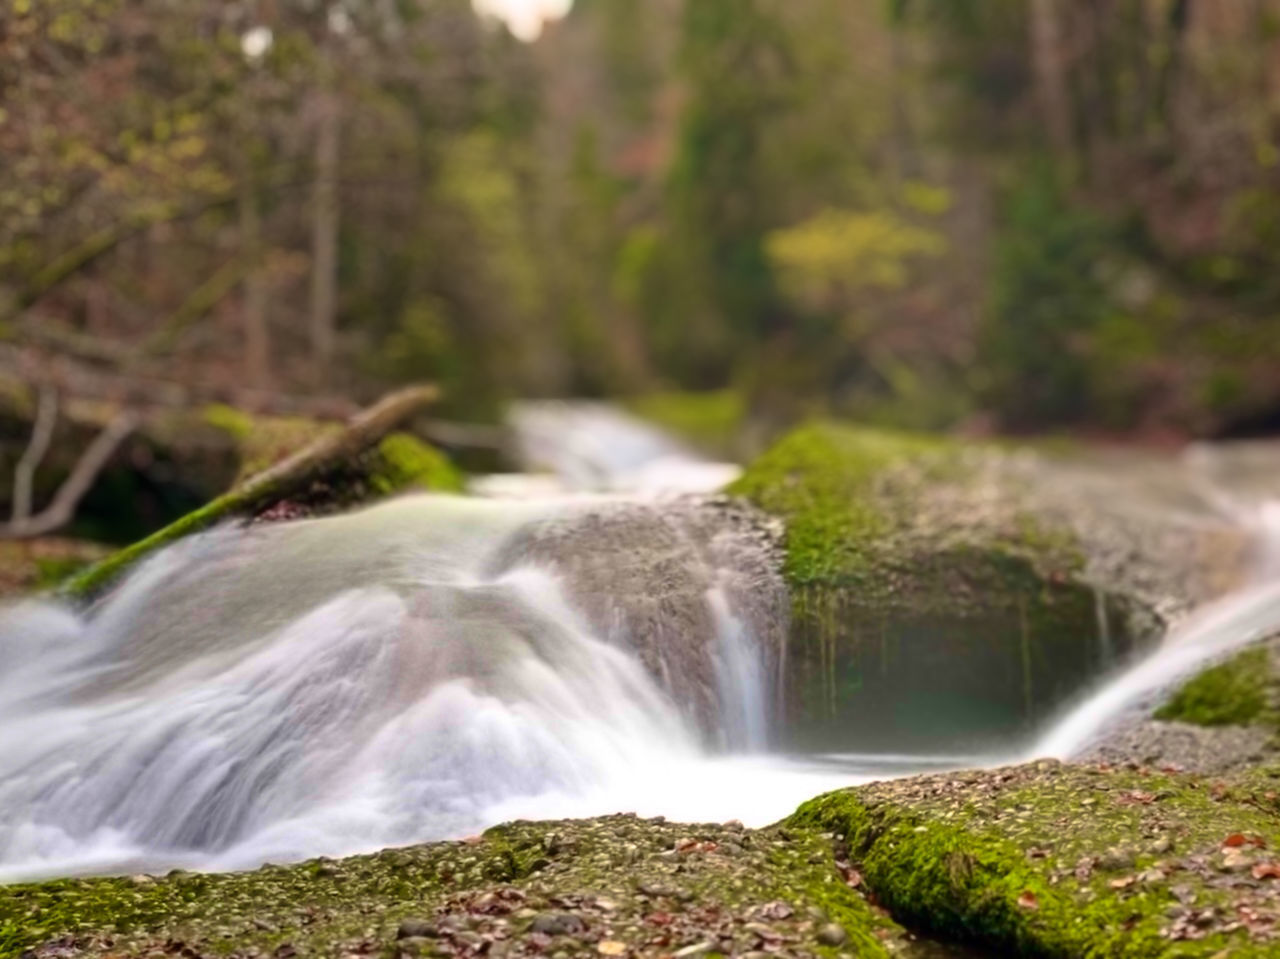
{"x": 1039, "y": 860}
{"x": 615, "y": 886}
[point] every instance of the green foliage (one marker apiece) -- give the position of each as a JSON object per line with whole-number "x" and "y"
{"x": 736, "y": 60}
{"x": 710, "y": 421}
{"x": 823, "y": 260}
{"x": 1234, "y": 693}
{"x": 1048, "y": 298}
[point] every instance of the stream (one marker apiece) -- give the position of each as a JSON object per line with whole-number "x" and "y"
{"x": 567, "y": 644}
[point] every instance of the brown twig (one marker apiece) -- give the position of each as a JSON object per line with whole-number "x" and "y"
{"x": 63, "y": 507}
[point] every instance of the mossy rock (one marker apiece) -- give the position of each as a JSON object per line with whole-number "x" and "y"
{"x": 613, "y": 886}
{"x": 931, "y": 600}
{"x": 1238, "y": 692}
{"x": 1070, "y": 861}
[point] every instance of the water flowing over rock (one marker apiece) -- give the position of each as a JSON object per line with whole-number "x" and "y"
{"x": 385, "y": 676}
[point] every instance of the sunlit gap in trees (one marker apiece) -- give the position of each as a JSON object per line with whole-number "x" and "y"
{"x": 524, "y": 18}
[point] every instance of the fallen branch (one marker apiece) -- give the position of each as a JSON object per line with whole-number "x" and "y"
{"x": 62, "y": 509}
{"x": 276, "y": 483}
{"x": 24, "y": 475}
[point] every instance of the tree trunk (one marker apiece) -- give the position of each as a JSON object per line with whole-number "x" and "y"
{"x": 324, "y": 236}
{"x": 257, "y": 341}
{"x": 1048, "y": 58}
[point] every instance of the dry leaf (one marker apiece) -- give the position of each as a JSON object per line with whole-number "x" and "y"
{"x": 1267, "y": 870}
{"x": 1028, "y": 900}
{"x": 611, "y": 947}
{"x": 1123, "y": 882}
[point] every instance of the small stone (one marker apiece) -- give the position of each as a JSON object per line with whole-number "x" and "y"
{"x": 832, "y": 934}
{"x": 611, "y": 947}
{"x": 558, "y": 924}
{"x": 1161, "y": 846}
{"x": 697, "y": 949}
{"x": 416, "y": 929}
{"x": 141, "y": 880}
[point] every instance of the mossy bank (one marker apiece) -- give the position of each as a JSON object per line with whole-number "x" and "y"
{"x": 1043, "y": 860}
{"x": 617, "y": 886}
{"x": 1071, "y": 861}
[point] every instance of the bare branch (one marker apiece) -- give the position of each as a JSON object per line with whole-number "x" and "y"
{"x": 24, "y": 474}
{"x": 63, "y": 508}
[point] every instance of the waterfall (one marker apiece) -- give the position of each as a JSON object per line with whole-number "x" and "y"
{"x": 1212, "y": 633}
{"x": 594, "y": 447}
{"x": 409, "y": 672}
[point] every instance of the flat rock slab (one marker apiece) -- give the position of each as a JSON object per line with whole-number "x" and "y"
{"x": 616, "y": 886}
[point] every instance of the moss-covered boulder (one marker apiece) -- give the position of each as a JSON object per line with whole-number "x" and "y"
{"x": 932, "y": 598}
{"x": 1071, "y": 861}
{"x": 1238, "y": 692}
{"x": 617, "y": 886}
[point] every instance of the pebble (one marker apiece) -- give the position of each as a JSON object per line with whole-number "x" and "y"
{"x": 697, "y": 949}
{"x": 558, "y": 924}
{"x": 832, "y": 934}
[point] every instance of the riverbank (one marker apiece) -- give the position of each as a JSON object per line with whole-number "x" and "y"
{"x": 1039, "y": 860}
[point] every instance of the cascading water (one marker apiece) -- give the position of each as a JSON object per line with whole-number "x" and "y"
{"x": 593, "y": 447}
{"x": 434, "y": 665}
{"x": 336, "y": 685}
{"x": 1213, "y": 632}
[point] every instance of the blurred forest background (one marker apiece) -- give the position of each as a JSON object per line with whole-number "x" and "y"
{"x": 992, "y": 215}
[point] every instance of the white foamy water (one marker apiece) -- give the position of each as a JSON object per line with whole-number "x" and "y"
{"x": 419, "y": 671}
{"x": 592, "y": 447}
{"x": 346, "y": 684}
{"x": 1212, "y": 633}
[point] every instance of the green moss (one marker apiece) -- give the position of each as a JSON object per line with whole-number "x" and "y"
{"x": 821, "y": 480}
{"x": 54, "y": 570}
{"x": 97, "y": 577}
{"x": 712, "y": 421}
{"x": 1234, "y": 693}
{"x": 229, "y": 419}
{"x": 407, "y": 462}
